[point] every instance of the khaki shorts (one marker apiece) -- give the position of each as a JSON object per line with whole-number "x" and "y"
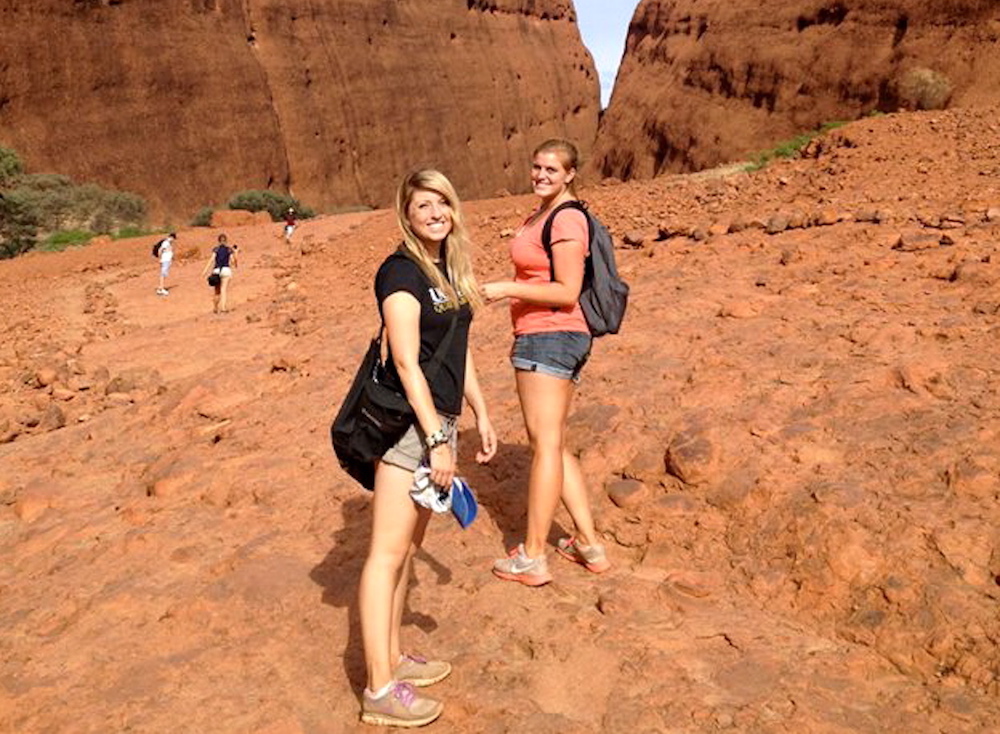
{"x": 411, "y": 449}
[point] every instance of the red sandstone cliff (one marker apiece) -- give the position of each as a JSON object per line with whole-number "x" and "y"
{"x": 187, "y": 101}
{"x": 707, "y": 81}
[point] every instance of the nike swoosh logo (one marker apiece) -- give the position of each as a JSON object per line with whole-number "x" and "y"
{"x": 519, "y": 565}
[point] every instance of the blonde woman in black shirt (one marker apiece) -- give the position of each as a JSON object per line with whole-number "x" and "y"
{"x": 421, "y": 288}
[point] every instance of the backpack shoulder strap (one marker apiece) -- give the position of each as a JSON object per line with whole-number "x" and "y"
{"x": 547, "y": 229}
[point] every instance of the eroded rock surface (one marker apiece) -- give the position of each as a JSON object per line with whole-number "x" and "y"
{"x": 705, "y": 82}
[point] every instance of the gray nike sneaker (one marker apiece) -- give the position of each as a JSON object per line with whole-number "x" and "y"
{"x": 591, "y": 557}
{"x": 519, "y": 567}
{"x": 401, "y": 706}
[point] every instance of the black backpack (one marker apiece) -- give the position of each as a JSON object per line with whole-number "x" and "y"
{"x": 156, "y": 248}
{"x": 604, "y": 295}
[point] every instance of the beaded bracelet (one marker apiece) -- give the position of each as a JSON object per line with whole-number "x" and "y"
{"x": 437, "y": 438}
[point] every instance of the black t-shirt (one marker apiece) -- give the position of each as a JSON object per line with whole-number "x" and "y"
{"x": 222, "y": 255}
{"x": 400, "y": 273}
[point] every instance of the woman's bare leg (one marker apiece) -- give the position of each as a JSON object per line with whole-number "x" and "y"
{"x": 544, "y": 404}
{"x": 382, "y": 591}
{"x": 223, "y": 295}
{"x": 399, "y": 595}
{"x": 577, "y": 499}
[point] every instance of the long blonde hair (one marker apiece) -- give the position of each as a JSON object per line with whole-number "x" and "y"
{"x": 456, "y": 245}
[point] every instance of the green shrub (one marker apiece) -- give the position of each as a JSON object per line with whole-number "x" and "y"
{"x": 53, "y": 204}
{"x": 62, "y": 205}
{"x": 18, "y": 226}
{"x": 45, "y": 182}
{"x": 203, "y": 218}
{"x": 46, "y": 195}
{"x": 275, "y": 204}
{"x": 10, "y": 167}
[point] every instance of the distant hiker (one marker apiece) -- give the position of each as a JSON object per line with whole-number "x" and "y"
{"x": 164, "y": 251}
{"x": 551, "y": 345}
{"x": 426, "y": 294}
{"x": 221, "y": 263}
{"x": 290, "y": 222}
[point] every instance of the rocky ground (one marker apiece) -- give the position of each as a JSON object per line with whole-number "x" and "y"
{"x": 794, "y": 450}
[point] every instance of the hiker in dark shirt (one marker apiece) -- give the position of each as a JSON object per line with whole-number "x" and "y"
{"x": 221, "y": 264}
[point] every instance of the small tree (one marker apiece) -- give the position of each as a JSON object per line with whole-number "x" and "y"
{"x": 10, "y": 167}
{"x": 18, "y": 226}
{"x": 54, "y": 204}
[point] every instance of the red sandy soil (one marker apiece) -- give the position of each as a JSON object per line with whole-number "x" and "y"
{"x": 792, "y": 446}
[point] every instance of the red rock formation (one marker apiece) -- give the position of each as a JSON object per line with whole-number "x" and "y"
{"x": 188, "y": 101}
{"x": 707, "y": 81}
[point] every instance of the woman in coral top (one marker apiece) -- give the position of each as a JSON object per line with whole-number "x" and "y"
{"x": 551, "y": 345}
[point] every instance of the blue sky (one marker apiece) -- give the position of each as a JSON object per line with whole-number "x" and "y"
{"x": 604, "y": 25}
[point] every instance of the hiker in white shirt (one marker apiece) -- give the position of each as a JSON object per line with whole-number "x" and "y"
{"x": 166, "y": 258}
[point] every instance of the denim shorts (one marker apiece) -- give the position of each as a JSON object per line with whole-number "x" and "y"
{"x": 558, "y": 353}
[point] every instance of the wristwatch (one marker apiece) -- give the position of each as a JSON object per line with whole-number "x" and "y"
{"x": 437, "y": 438}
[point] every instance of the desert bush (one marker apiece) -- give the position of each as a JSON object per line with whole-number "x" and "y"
{"x": 102, "y": 210}
{"x": 61, "y": 204}
{"x": 203, "y": 218}
{"x": 52, "y": 204}
{"x": 10, "y": 167}
{"x": 125, "y": 208}
{"x": 46, "y": 182}
{"x": 18, "y": 226}
{"x": 924, "y": 89}
{"x": 275, "y": 204}
{"x": 47, "y": 195}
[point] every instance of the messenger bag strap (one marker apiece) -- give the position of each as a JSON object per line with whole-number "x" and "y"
{"x": 437, "y": 359}
{"x": 433, "y": 365}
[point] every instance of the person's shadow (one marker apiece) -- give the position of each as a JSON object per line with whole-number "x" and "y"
{"x": 500, "y": 489}
{"x": 339, "y": 574}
